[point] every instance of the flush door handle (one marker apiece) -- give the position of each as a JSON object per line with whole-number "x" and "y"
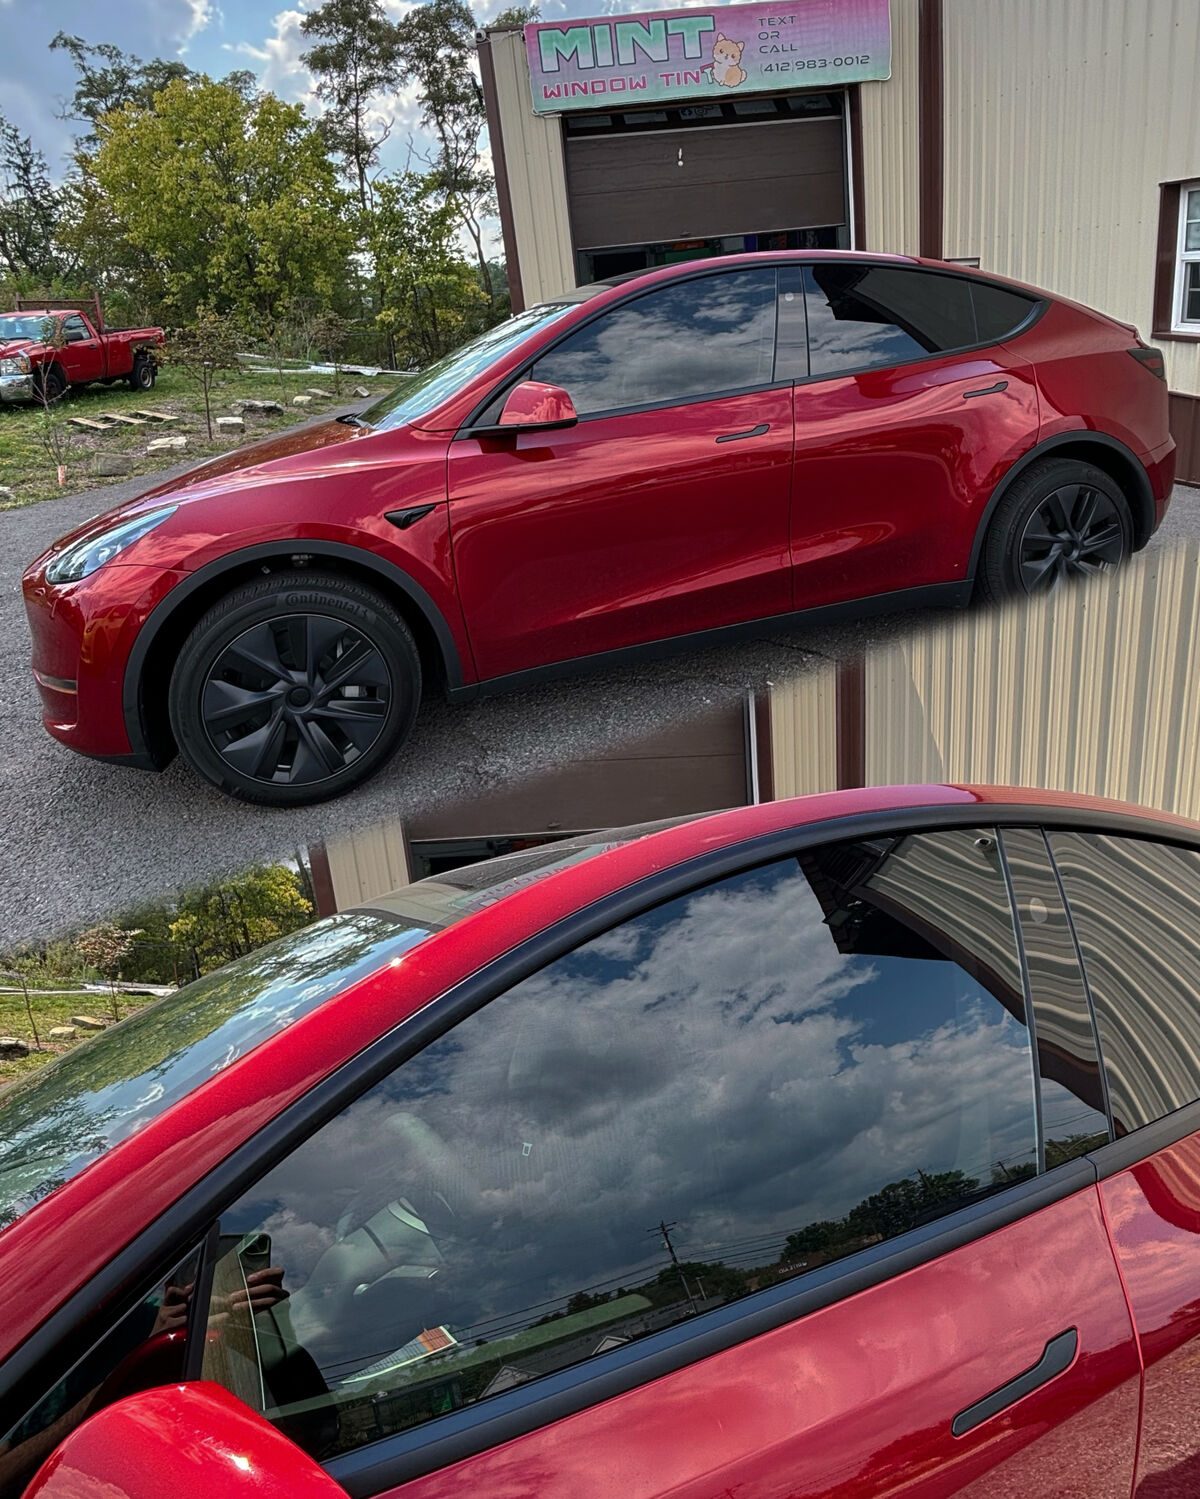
{"x": 753, "y": 432}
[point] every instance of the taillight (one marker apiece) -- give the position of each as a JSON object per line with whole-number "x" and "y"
{"x": 1152, "y": 359}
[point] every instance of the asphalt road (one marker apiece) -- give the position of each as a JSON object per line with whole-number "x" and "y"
{"x": 80, "y": 840}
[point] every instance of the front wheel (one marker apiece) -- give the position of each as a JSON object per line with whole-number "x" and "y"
{"x": 295, "y": 688}
{"x": 1061, "y": 520}
{"x": 50, "y": 384}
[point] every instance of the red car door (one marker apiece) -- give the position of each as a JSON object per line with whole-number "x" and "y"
{"x": 902, "y": 434}
{"x": 767, "y": 1190}
{"x": 663, "y": 512}
{"x": 1136, "y": 908}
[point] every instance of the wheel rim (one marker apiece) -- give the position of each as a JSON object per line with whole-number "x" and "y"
{"x": 296, "y": 699}
{"x": 1075, "y": 532}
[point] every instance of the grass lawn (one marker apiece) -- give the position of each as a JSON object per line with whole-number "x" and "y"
{"x": 49, "y": 1010}
{"x": 28, "y": 470}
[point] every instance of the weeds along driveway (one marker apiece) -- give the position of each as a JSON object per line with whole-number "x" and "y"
{"x": 80, "y": 840}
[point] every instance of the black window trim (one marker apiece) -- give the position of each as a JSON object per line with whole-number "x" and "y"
{"x": 41, "y": 1360}
{"x": 473, "y": 426}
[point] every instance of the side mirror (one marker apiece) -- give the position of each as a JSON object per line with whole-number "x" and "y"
{"x": 532, "y": 404}
{"x": 180, "y": 1439}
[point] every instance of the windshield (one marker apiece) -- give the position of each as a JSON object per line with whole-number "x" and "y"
{"x": 416, "y": 394}
{"x": 99, "y": 1094}
{"x": 13, "y": 328}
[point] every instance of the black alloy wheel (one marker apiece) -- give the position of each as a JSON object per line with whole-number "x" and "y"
{"x": 296, "y": 699}
{"x": 1060, "y": 521}
{"x": 1076, "y": 532}
{"x": 293, "y": 689}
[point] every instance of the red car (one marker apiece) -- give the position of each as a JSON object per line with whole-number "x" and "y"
{"x": 687, "y": 453}
{"x": 847, "y": 1146}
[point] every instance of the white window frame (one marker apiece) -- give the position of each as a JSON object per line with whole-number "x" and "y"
{"x": 1184, "y": 258}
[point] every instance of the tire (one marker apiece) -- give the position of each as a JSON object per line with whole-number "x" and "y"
{"x": 241, "y": 727}
{"x": 143, "y": 374}
{"x": 1060, "y": 521}
{"x": 51, "y": 384}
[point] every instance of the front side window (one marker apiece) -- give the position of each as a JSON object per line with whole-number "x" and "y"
{"x": 1135, "y": 906}
{"x": 1187, "y": 281}
{"x": 723, "y": 1094}
{"x": 75, "y": 330}
{"x": 863, "y": 316}
{"x": 681, "y": 342}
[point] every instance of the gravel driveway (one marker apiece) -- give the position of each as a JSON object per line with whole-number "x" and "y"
{"x": 80, "y": 840}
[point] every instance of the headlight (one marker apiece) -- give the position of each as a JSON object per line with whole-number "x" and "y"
{"x": 17, "y": 365}
{"x": 84, "y": 557}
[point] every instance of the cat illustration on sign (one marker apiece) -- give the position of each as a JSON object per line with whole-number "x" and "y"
{"x": 727, "y": 56}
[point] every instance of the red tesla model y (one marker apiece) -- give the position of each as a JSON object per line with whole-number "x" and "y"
{"x": 685, "y": 453}
{"x": 846, "y": 1147}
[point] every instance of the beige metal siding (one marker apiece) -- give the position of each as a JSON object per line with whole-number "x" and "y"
{"x": 889, "y": 128}
{"x": 367, "y": 864}
{"x": 804, "y": 733}
{"x": 1095, "y": 692}
{"x": 1061, "y": 119}
{"x": 537, "y": 177}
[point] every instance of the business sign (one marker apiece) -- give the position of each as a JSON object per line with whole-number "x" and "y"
{"x": 670, "y": 56}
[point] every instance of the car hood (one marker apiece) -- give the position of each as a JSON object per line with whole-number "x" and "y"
{"x": 17, "y": 346}
{"x": 286, "y": 456}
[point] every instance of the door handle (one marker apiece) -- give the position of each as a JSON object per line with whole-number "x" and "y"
{"x": 1056, "y": 1356}
{"x": 988, "y": 390}
{"x": 753, "y": 432}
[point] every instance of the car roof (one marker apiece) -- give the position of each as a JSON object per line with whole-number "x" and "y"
{"x": 76, "y": 1231}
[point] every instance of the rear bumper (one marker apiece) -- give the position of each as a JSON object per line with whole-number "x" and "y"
{"x": 82, "y": 637}
{"x": 16, "y": 388}
{"x": 1160, "y": 470}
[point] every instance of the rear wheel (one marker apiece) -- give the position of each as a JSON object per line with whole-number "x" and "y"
{"x": 1061, "y": 520}
{"x": 143, "y": 374}
{"x": 295, "y": 688}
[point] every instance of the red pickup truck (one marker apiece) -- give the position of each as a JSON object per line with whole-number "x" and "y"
{"x": 46, "y": 348}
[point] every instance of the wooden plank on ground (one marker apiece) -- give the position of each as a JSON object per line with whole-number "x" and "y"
{"x": 154, "y": 416}
{"x": 127, "y": 421}
{"x": 83, "y": 421}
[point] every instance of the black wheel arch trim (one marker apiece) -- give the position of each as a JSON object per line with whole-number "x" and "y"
{"x": 1081, "y": 437}
{"x": 75, "y": 1325}
{"x": 143, "y": 754}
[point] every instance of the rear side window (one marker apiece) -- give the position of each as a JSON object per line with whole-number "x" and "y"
{"x": 680, "y": 343}
{"x": 724, "y": 1093}
{"x": 871, "y": 316}
{"x": 999, "y": 311}
{"x": 1136, "y": 910}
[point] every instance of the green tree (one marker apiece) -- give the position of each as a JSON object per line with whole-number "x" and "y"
{"x": 104, "y": 947}
{"x": 437, "y": 47}
{"x": 107, "y": 78}
{"x": 209, "y": 344}
{"x": 431, "y": 299}
{"x": 30, "y": 207}
{"x": 234, "y": 916}
{"x": 228, "y": 202}
{"x": 355, "y": 59}
{"x": 515, "y": 17}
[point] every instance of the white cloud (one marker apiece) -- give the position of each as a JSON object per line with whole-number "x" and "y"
{"x": 277, "y": 60}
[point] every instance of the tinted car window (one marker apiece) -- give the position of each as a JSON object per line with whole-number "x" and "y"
{"x": 683, "y": 341}
{"x": 1074, "y": 1116}
{"x": 75, "y": 329}
{"x": 1135, "y": 906}
{"x": 96, "y": 1095}
{"x": 724, "y": 1093}
{"x": 867, "y": 316}
{"x": 137, "y": 1353}
{"x": 998, "y": 310}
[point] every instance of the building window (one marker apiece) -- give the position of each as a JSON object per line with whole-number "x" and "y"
{"x": 1187, "y": 274}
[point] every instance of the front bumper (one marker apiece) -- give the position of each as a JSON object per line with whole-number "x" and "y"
{"x": 83, "y": 634}
{"x": 16, "y": 388}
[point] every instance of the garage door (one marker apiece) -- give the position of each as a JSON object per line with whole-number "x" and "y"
{"x": 630, "y": 189}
